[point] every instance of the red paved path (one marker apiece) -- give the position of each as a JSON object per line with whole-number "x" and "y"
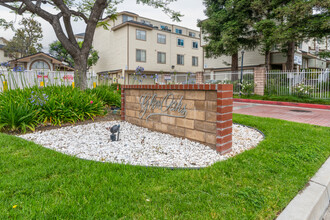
{"x": 313, "y": 116}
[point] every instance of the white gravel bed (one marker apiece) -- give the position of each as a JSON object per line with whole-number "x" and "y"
{"x": 138, "y": 145}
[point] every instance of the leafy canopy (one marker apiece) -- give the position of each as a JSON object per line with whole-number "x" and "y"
{"x": 26, "y": 39}
{"x": 57, "y": 50}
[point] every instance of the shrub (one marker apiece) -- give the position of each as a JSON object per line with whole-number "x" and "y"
{"x": 107, "y": 94}
{"x": 25, "y": 109}
{"x": 302, "y": 90}
{"x": 17, "y": 115}
{"x": 247, "y": 88}
{"x": 65, "y": 104}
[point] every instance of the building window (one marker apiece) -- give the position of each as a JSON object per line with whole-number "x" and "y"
{"x": 161, "y": 57}
{"x": 40, "y": 64}
{"x": 127, "y": 18}
{"x": 140, "y": 55}
{"x": 161, "y": 38}
{"x": 195, "y": 61}
{"x": 180, "y": 59}
{"x": 180, "y": 42}
{"x": 141, "y": 35}
{"x": 192, "y": 34}
{"x": 178, "y": 31}
{"x": 195, "y": 45}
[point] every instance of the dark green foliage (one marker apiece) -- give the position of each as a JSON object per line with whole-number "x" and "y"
{"x": 59, "y": 52}
{"x": 25, "y": 109}
{"x": 257, "y": 184}
{"x": 229, "y": 28}
{"x": 17, "y": 115}
{"x": 240, "y": 24}
{"x": 107, "y": 94}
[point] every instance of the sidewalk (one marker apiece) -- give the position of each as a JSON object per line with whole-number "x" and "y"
{"x": 313, "y": 116}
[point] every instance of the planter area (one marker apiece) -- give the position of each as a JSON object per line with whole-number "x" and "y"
{"x": 138, "y": 145}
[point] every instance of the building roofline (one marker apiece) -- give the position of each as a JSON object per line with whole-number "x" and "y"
{"x": 169, "y": 23}
{"x": 128, "y": 13}
{"x": 133, "y": 23}
{"x": 40, "y": 53}
{"x": 136, "y": 15}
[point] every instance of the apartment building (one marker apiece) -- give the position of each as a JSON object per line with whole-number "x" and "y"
{"x": 305, "y": 57}
{"x": 3, "y": 55}
{"x": 160, "y": 48}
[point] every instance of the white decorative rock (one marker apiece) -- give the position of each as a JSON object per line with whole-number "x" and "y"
{"x": 138, "y": 145}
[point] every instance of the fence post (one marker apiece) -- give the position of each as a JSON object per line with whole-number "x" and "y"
{"x": 5, "y": 86}
{"x": 199, "y": 77}
{"x": 259, "y": 80}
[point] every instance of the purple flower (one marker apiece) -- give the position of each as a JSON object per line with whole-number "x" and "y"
{"x": 139, "y": 70}
{"x": 18, "y": 69}
{"x": 5, "y": 64}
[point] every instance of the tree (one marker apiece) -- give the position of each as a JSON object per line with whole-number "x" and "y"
{"x": 60, "y": 53}
{"x": 265, "y": 27}
{"x": 26, "y": 39}
{"x": 90, "y": 11}
{"x": 228, "y": 28}
{"x": 300, "y": 20}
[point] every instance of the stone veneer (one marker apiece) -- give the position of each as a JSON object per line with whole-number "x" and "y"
{"x": 209, "y": 112}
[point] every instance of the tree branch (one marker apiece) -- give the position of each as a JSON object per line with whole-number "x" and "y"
{"x": 96, "y": 12}
{"x": 67, "y": 20}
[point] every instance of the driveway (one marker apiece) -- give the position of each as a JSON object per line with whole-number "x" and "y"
{"x": 297, "y": 114}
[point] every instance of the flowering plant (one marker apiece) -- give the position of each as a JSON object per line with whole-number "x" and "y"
{"x": 18, "y": 69}
{"x": 38, "y": 100}
{"x": 138, "y": 74}
{"x": 154, "y": 77}
{"x": 302, "y": 90}
{"x": 247, "y": 88}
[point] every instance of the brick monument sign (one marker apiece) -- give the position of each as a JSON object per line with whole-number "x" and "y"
{"x": 199, "y": 112}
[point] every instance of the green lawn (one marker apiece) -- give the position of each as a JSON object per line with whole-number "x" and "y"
{"x": 286, "y": 99}
{"x": 256, "y": 184}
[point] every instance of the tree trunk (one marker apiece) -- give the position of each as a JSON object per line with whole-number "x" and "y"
{"x": 290, "y": 57}
{"x": 80, "y": 72}
{"x": 234, "y": 67}
{"x": 267, "y": 60}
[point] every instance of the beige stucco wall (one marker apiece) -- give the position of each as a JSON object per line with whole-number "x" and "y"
{"x": 251, "y": 58}
{"x": 117, "y": 49}
{"x": 112, "y": 48}
{"x": 2, "y": 57}
{"x": 315, "y": 63}
{"x": 170, "y": 48}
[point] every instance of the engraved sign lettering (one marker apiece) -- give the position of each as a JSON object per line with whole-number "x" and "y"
{"x": 167, "y": 104}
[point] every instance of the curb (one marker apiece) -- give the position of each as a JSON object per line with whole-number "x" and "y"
{"x": 312, "y": 202}
{"x": 304, "y": 105}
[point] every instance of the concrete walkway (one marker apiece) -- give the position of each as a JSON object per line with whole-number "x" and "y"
{"x": 297, "y": 114}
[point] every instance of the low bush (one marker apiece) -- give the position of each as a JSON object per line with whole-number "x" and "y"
{"x": 108, "y": 94}
{"x": 25, "y": 109}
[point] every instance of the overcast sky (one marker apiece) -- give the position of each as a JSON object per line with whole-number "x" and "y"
{"x": 191, "y": 9}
